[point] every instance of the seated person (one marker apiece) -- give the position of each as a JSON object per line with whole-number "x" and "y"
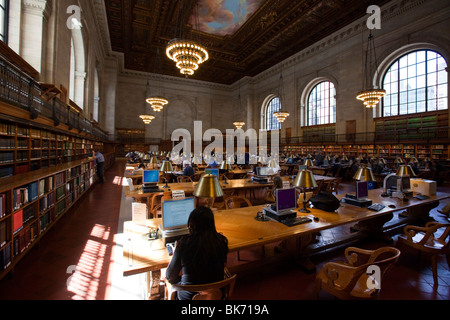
{"x": 199, "y": 257}
{"x": 188, "y": 170}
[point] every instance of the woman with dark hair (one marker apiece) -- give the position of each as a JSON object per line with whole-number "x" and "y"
{"x": 199, "y": 256}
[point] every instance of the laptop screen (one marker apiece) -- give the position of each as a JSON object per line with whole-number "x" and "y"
{"x": 150, "y": 176}
{"x": 175, "y": 213}
{"x": 262, "y": 171}
{"x": 213, "y": 171}
{"x": 286, "y": 199}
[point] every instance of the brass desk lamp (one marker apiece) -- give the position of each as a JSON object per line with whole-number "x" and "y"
{"x": 166, "y": 167}
{"x": 226, "y": 167}
{"x": 305, "y": 180}
{"x": 208, "y": 187}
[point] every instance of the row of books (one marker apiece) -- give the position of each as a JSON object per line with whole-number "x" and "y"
{"x": 45, "y": 221}
{"x": 24, "y": 239}
{"x": 6, "y": 128}
{"x": 6, "y": 171}
{"x": 46, "y": 202}
{"x": 22, "y": 131}
{"x": 21, "y": 217}
{"x": 4, "y": 232}
{"x": 5, "y": 257}
{"x": 7, "y": 143}
{"x": 45, "y": 185}
{"x": 59, "y": 178}
{"x": 24, "y": 195}
{"x": 2, "y": 205}
{"x": 6, "y": 157}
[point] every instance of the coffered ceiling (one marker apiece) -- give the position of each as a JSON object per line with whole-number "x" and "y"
{"x": 243, "y": 37}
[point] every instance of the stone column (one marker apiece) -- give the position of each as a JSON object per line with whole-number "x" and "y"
{"x": 108, "y": 118}
{"x": 35, "y": 14}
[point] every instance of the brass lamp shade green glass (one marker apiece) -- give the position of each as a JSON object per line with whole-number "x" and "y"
{"x": 154, "y": 160}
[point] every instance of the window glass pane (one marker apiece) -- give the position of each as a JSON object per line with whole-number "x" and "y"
{"x": 272, "y": 122}
{"x": 322, "y": 104}
{"x": 421, "y": 84}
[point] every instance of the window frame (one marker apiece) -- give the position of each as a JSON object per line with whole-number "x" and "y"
{"x": 406, "y": 92}
{"x": 269, "y": 118}
{"x": 331, "y": 97}
{"x": 5, "y": 12}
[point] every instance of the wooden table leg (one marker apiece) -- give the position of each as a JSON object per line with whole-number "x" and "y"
{"x": 153, "y": 279}
{"x": 374, "y": 227}
{"x": 298, "y": 248}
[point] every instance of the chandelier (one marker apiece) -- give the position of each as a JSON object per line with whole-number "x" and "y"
{"x": 147, "y": 118}
{"x": 370, "y": 96}
{"x": 157, "y": 103}
{"x": 187, "y": 54}
{"x": 280, "y": 114}
{"x": 239, "y": 124}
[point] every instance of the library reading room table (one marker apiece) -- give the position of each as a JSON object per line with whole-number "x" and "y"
{"x": 244, "y": 231}
{"x": 231, "y": 184}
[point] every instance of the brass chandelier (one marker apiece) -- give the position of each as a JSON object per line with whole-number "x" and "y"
{"x": 239, "y": 124}
{"x": 370, "y": 95}
{"x": 186, "y": 53}
{"x": 157, "y": 103}
{"x": 146, "y": 118}
{"x": 280, "y": 114}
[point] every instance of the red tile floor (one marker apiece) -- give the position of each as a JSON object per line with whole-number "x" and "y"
{"x": 79, "y": 257}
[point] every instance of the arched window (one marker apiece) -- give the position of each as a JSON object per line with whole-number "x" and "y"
{"x": 72, "y": 71}
{"x": 96, "y": 96}
{"x": 77, "y": 66}
{"x": 321, "y": 108}
{"x": 270, "y": 122}
{"x": 416, "y": 82}
{"x": 4, "y": 20}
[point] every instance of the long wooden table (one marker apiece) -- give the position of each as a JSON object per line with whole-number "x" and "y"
{"x": 189, "y": 187}
{"x": 244, "y": 231}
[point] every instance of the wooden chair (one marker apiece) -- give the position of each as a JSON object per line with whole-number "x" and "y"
{"x": 220, "y": 204}
{"x": 433, "y": 239}
{"x": 197, "y": 175}
{"x": 184, "y": 179}
{"x": 154, "y": 204}
{"x": 234, "y": 202}
{"x": 332, "y": 186}
{"x": 221, "y": 290}
{"x": 349, "y": 280}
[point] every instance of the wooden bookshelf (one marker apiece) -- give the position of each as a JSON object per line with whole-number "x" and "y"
{"x": 439, "y": 152}
{"x": 26, "y": 148}
{"x": 32, "y": 202}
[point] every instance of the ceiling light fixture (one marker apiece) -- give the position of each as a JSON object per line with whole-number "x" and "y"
{"x": 370, "y": 95}
{"x": 186, "y": 53}
{"x": 147, "y": 118}
{"x": 239, "y": 124}
{"x": 280, "y": 114}
{"x": 157, "y": 102}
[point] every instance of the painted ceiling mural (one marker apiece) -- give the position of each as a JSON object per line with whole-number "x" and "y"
{"x": 223, "y": 17}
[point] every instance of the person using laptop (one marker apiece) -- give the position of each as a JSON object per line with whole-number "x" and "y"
{"x": 199, "y": 257}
